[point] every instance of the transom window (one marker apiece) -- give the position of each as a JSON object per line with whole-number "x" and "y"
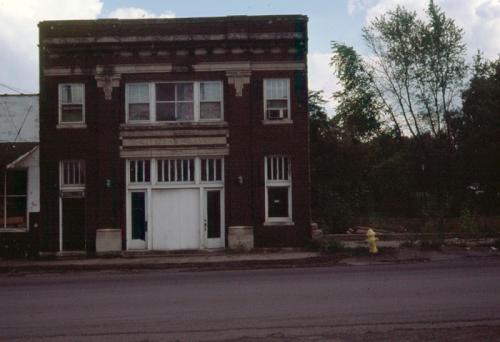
{"x": 211, "y": 170}
{"x": 139, "y": 171}
{"x": 71, "y": 103}
{"x": 278, "y": 189}
{"x": 276, "y": 99}
{"x": 174, "y": 101}
{"x": 13, "y": 199}
{"x": 72, "y": 173}
{"x": 175, "y": 170}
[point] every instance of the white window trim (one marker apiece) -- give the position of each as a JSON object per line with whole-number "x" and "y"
{"x": 152, "y": 173}
{"x": 3, "y": 225}
{"x": 72, "y": 124}
{"x": 287, "y": 120}
{"x": 151, "y": 103}
{"x": 278, "y": 183}
{"x": 196, "y": 102}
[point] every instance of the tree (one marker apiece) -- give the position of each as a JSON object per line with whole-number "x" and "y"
{"x": 358, "y": 109}
{"x": 416, "y": 68}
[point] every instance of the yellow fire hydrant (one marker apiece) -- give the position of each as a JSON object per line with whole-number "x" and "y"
{"x": 372, "y": 239}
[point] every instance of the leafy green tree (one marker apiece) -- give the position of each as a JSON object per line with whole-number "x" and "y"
{"x": 417, "y": 67}
{"x": 358, "y": 109}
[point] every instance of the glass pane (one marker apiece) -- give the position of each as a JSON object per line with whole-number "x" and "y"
{"x": 213, "y": 214}
{"x": 277, "y": 104}
{"x": 72, "y": 93}
{"x": 184, "y": 91}
{"x": 138, "y": 111}
{"x": 210, "y": 91}
{"x": 165, "y": 92}
{"x": 132, "y": 171}
{"x": 185, "y": 111}
{"x": 159, "y": 170}
{"x": 286, "y": 175}
{"x": 71, "y": 113}
{"x": 218, "y": 170}
{"x": 140, "y": 170}
{"x": 16, "y": 212}
{"x": 276, "y": 89}
{"x": 165, "y": 111}
{"x": 191, "y": 170}
{"x": 211, "y": 170}
{"x": 147, "y": 170}
{"x": 17, "y": 182}
{"x": 172, "y": 171}
{"x": 138, "y": 215}
{"x": 210, "y": 110}
{"x": 185, "y": 170}
{"x": 277, "y": 201}
{"x": 2, "y": 184}
{"x": 138, "y": 93}
{"x": 178, "y": 164}
{"x": 2, "y": 203}
{"x": 203, "y": 169}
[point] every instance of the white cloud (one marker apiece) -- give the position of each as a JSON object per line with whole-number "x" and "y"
{"x": 480, "y": 19}
{"x": 137, "y": 13}
{"x": 321, "y": 77}
{"x": 19, "y": 35}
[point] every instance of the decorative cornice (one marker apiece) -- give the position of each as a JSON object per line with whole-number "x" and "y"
{"x": 245, "y": 66}
{"x": 174, "y": 38}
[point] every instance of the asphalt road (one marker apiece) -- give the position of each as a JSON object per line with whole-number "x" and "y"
{"x": 391, "y": 302}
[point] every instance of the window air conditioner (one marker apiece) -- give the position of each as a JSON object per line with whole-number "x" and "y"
{"x": 276, "y": 114}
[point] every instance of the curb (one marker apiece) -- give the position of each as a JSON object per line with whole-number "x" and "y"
{"x": 319, "y": 261}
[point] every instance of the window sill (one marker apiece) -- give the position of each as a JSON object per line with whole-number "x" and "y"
{"x": 277, "y": 122}
{"x": 279, "y": 223}
{"x": 71, "y": 126}
{"x": 153, "y": 125}
{"x": 13, "y": 230}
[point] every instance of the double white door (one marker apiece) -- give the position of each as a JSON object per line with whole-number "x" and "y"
{"x": 180, "y": 219}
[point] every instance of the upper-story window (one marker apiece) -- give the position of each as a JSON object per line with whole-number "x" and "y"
{"x": 174, "y": 101}
{"x": 71, "y": 103}
{"x": 138, "y": 101}
{"x": 210, "y": 100}
{"x": 277, "y": 99}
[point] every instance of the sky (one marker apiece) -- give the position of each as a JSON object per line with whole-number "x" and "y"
{"x": 329, "y": 20}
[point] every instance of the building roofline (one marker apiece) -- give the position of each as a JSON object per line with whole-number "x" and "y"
{"x": 23, "y": 94}
{"x": 180, "y": 20}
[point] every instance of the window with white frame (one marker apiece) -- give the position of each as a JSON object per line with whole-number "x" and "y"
{"x": 71, "y": 103}
{"x": 13, "y": 199}
{"x": 210, "y": 100}
{"x": 174, "y": 101}
{"x": 277, "y": 99}
{"x": 278, "y": 189}
{"x": 138, "y": 101}
{"x": 211, "y": 170}
{"x": 72, "y": 173}
{"x": 175, "y": 170}
{"x": 139, "y": 171}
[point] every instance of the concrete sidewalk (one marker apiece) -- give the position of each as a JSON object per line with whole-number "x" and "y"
{"x": 222, "y": 260}
{"x": 200, "y": 261}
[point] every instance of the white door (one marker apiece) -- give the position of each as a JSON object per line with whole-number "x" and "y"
{"x": 176, "y": 219}
{"x": 138, "y": 233}
{"x": 213, "y": 218}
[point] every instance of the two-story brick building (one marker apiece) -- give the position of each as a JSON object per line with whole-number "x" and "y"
{"x": 174, "y": 132}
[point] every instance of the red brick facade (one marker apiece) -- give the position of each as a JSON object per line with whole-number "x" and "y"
{"x": 240, "y": 52}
